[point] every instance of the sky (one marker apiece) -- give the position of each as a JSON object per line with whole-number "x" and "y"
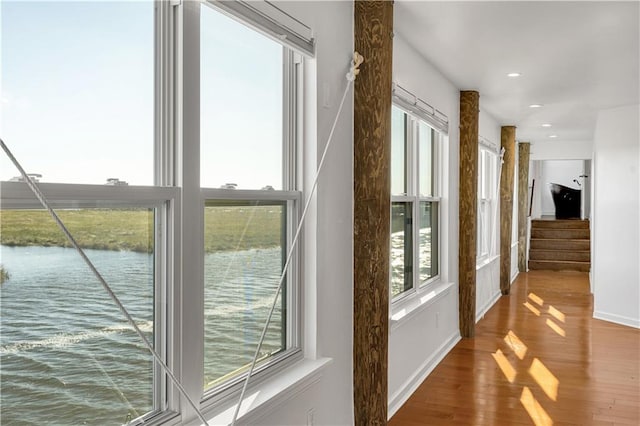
{"x": 77, "y": 95}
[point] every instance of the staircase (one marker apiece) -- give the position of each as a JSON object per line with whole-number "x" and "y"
{"x": 560, "y": 245}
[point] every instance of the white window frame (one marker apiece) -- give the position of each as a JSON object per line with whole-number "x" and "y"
{"x": 229, "y": 389}
{"x": 177, "y": 195}
{"x": 488, "y": 197}
{"x": 193, "y": 232}
{"x": 165, "y": 201}
{"x": 414, "y": 197}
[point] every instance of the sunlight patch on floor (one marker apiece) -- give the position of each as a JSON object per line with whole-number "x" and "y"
{"x": 556, "y": 314}
{"x": 534, "y": 409}
{"x": 504, "y": 364}
{"x": 545, "y": 379}
{"x": 537, "y": 299}
{"x": 516, "y": 344}
{"x": 555, "y": 327}
{"x": 532, "y": 308}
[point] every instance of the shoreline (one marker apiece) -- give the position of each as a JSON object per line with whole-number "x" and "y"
{"x": 228, "y": 228}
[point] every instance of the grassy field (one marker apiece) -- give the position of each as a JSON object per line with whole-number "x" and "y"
{"x": 226, "y": 228}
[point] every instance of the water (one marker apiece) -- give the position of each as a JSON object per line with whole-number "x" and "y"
{"x": 68, "y": 357}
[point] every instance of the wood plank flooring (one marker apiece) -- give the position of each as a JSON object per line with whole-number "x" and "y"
{"x": 538, "y": 358}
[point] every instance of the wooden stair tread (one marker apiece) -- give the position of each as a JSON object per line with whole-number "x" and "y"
{"x": 582, "y": 247}
{"x": 559, "y": 224}
{"x": 557, "y": 233}
{"x": 559, "y": 265}
{"x": 560, "y": 255}
{"x": 575, "y": 251}
{"x": 561, "y": 239}
{"x": 577, "y": 262}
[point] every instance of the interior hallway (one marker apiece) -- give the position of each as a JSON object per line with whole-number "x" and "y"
{"x": 538, "y": 358}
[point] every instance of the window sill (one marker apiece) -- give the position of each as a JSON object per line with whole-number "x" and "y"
{"x": 271, "y": 393}
{"x": 486, "y": 261}
{"x": 416, "y": 303}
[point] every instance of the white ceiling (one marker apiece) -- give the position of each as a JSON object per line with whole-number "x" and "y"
{"x": 575, "y": 58}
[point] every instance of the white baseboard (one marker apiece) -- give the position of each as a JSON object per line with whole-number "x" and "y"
{"x": 410, "y": 386}
{"x": 618, "y": 319}
{"x": 488, "y": 305}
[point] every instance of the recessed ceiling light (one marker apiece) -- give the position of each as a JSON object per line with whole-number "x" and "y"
{"x": 535, "y": 106}
{"x": 553, "y": 136}
{"x": 514, "y": 74}
{"x": 546, "y": 125}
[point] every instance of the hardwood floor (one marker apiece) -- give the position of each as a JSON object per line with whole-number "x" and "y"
{"x": 538, "y": 358}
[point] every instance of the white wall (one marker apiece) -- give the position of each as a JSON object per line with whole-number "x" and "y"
{"x": 616, "y": 216}
{"x": 487, "y": 286}
{"x": 488, "y": 127}
{"x": 535, "y": 181}
{"x": 419, "y": 341}
{"x": 329, "y": 280}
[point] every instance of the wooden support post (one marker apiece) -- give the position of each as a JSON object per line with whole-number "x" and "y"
{"x": 523, "y": 196}
{"x": 508, "y": 142}
{"x": 468, "y": 218}
{"x": 373, "y": 28}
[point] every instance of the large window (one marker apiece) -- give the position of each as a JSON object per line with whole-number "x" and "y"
{"x": 180, "y": 181}
{"x": 68, "y": 354}
{"x": 415, "y": 202}
{"x": 78, "y": 112}
{"x": 248, "y": 175}
{"x": 487, "y": 202}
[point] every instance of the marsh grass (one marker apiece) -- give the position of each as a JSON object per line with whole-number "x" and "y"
{"x": 230, "y": 228}
{"x": 102, "y": 229}
{"x": 226, "y": 228}
{"x": 4, "y": 275}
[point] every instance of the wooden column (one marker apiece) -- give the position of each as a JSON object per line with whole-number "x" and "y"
{"x": 523, "y": 196}
{"x": 508, "y": 142}
{"x": 373, "y": 26}
{"x": 468, "y": 217}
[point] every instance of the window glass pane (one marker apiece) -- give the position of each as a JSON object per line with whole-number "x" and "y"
{"x": 425, "y": 162}
{"x": 480, "y": 233}
{"x": 245, "y": 245}
{"x": 67, "y": 354}
{"x": 492, "y": 160}
{"x": 428, "y": 240}
{"x": 483, "y": 228}
{"x": 481, "y": 173}
{"x": 486, "y": 226}
{"x": 401, "y": 248}
{"x": 241, "y": 105}
{"x": 78, "y": 90}
{"x": 479, "y": 215}
{"x": 398, "y": 152}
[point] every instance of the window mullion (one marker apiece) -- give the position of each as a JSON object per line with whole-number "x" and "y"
{"x": 414, "y": 168}
{"x": 189, "y": 306}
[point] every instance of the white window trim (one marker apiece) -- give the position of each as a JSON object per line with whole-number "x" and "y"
{"x": 165, "y": 201}
{"x": 419, "y": 289}
{"x": 228, "y": 390}
{"x": 269, "y": 20}
{"x": 491, "y": 149}
{"x": 177, "y": 128}
{"x": 188, "y": 120}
